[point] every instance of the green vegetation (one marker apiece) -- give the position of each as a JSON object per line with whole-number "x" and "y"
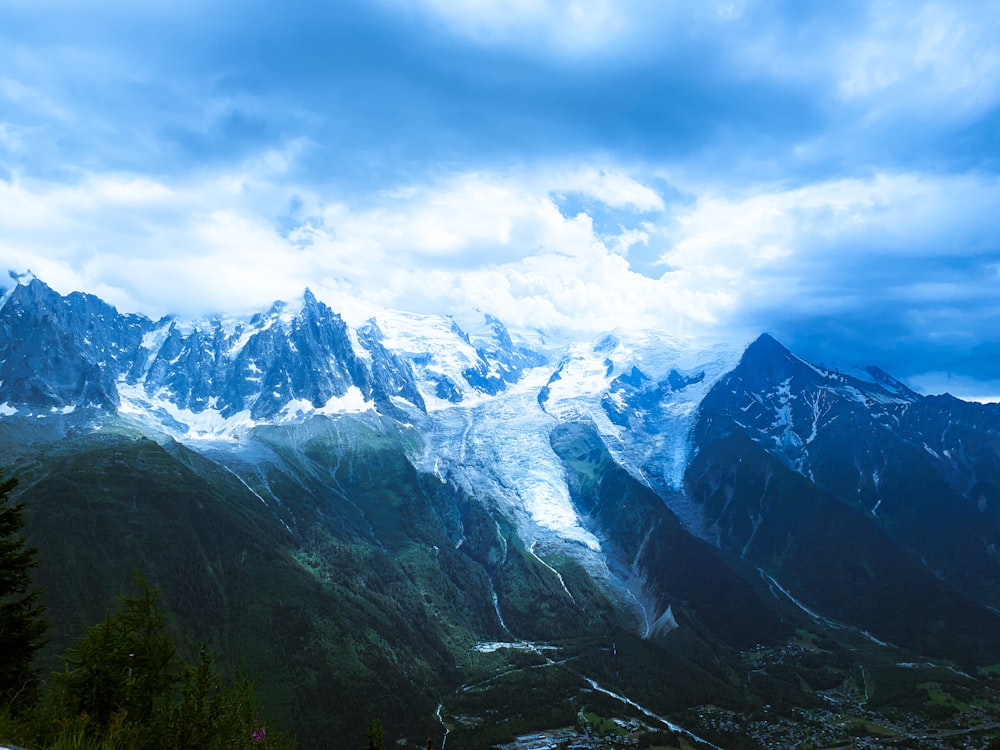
{"x": 22, "y": 629}
{"x": 124, "y": 686}
{"x": 601, "y": 725}
{"x": 866, "y": 728}
{"x": 806, "y": 638}
{"x": 374, "y": 735}
{"x": 356, "y": 586}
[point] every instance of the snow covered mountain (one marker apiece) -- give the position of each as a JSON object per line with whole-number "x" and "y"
{"x": 516, "y": 495}
{"x": 484, "y": 407}
{"x": 926, "y": 470}
{"x": 213, "y": 378}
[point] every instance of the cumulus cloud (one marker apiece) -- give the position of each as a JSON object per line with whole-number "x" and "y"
{"x": 893, "y": 256}
{"x": 152, "y": 238}
{"x": 890, "y": 215}
{"x": 826, "y": 172}
{"x": 903, "y": 249}
{"x": 501, "y": 244}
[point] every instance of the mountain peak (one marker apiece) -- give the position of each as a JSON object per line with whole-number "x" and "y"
{"x": 766, "y": 343}
{"x": 30, "y": 290}
{"x": 22, "y": 278}
{"x": 766, "y": 351}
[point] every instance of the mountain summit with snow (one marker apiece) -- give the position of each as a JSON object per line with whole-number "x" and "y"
{"x": 473, "y": 496}
{"x": 213, "y": 377}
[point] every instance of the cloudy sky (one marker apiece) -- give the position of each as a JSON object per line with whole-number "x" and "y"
{"x": 827, "y": 172}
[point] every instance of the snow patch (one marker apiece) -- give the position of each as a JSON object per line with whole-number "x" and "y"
{"x": 166, "y": 416}
{"x": 664, "y": 623}
{"x": 352, "y": 402}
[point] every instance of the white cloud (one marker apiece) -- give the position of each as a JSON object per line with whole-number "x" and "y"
{"x": 612, "y": 188}
{"x": 31, "y": 99}
{"x": 566, "y": 26}
{"x": 194, "y": 247}
{"x": 935, "y": 58}
{"x": 498, "y": 242}
{"x": 580, "y": 30}
{"x": 890, "y": 216}
{"x": 473, "y": 219}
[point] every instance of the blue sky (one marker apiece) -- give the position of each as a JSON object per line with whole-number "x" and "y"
{"x": 825, "y": 172}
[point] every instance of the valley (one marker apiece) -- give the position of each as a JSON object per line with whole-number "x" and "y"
{"x": 631, "y": 542}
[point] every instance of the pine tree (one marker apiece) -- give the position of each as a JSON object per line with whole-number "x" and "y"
{"x": 374, "y": 735}
{"x": 133, "y": 688}
{"x": 124, "y": 665}
{"x": 22, "y": 628}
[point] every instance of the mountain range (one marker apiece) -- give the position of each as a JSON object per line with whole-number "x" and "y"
{"x": 471, "y": 533}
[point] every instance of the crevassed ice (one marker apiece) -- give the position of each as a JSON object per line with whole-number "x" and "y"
{"x": 500, "y": 447}
{"x": 657, "y": 445}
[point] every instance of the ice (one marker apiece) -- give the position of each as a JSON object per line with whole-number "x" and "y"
{"x": 360, "y": 351}
{"x": 500, "y": 447}
{"x": 434, "y": 336}
{"x": 152, "y": 342}
{"x": 783, "y": 412}
{"x": 165, "y": 416}
{"x": 244, "y": 338}
{"x": 209, "y": 424}
{"x": 438, "y": 349}
{"x": 816, "y": 415}
{"x": 489, "y": 647}
{"x": 656, "y": 446}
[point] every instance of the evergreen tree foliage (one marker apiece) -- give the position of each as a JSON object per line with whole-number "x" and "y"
{"x": 207, "y": 716}
{"x": 125, "y": 686}
{"x": 126, "y": 664}
{"x": 22, "y": 628}
{"x": 374, "y": 735}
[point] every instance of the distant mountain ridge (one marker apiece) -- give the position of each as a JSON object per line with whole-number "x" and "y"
{"x": 61, "y": 352}
{"x": 457, "y": 497}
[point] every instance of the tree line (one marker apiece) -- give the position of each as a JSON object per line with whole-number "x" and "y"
{"x": 123, "y": 683}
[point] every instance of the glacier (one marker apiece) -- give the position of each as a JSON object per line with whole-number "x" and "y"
{"x": 480, "y": 401}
